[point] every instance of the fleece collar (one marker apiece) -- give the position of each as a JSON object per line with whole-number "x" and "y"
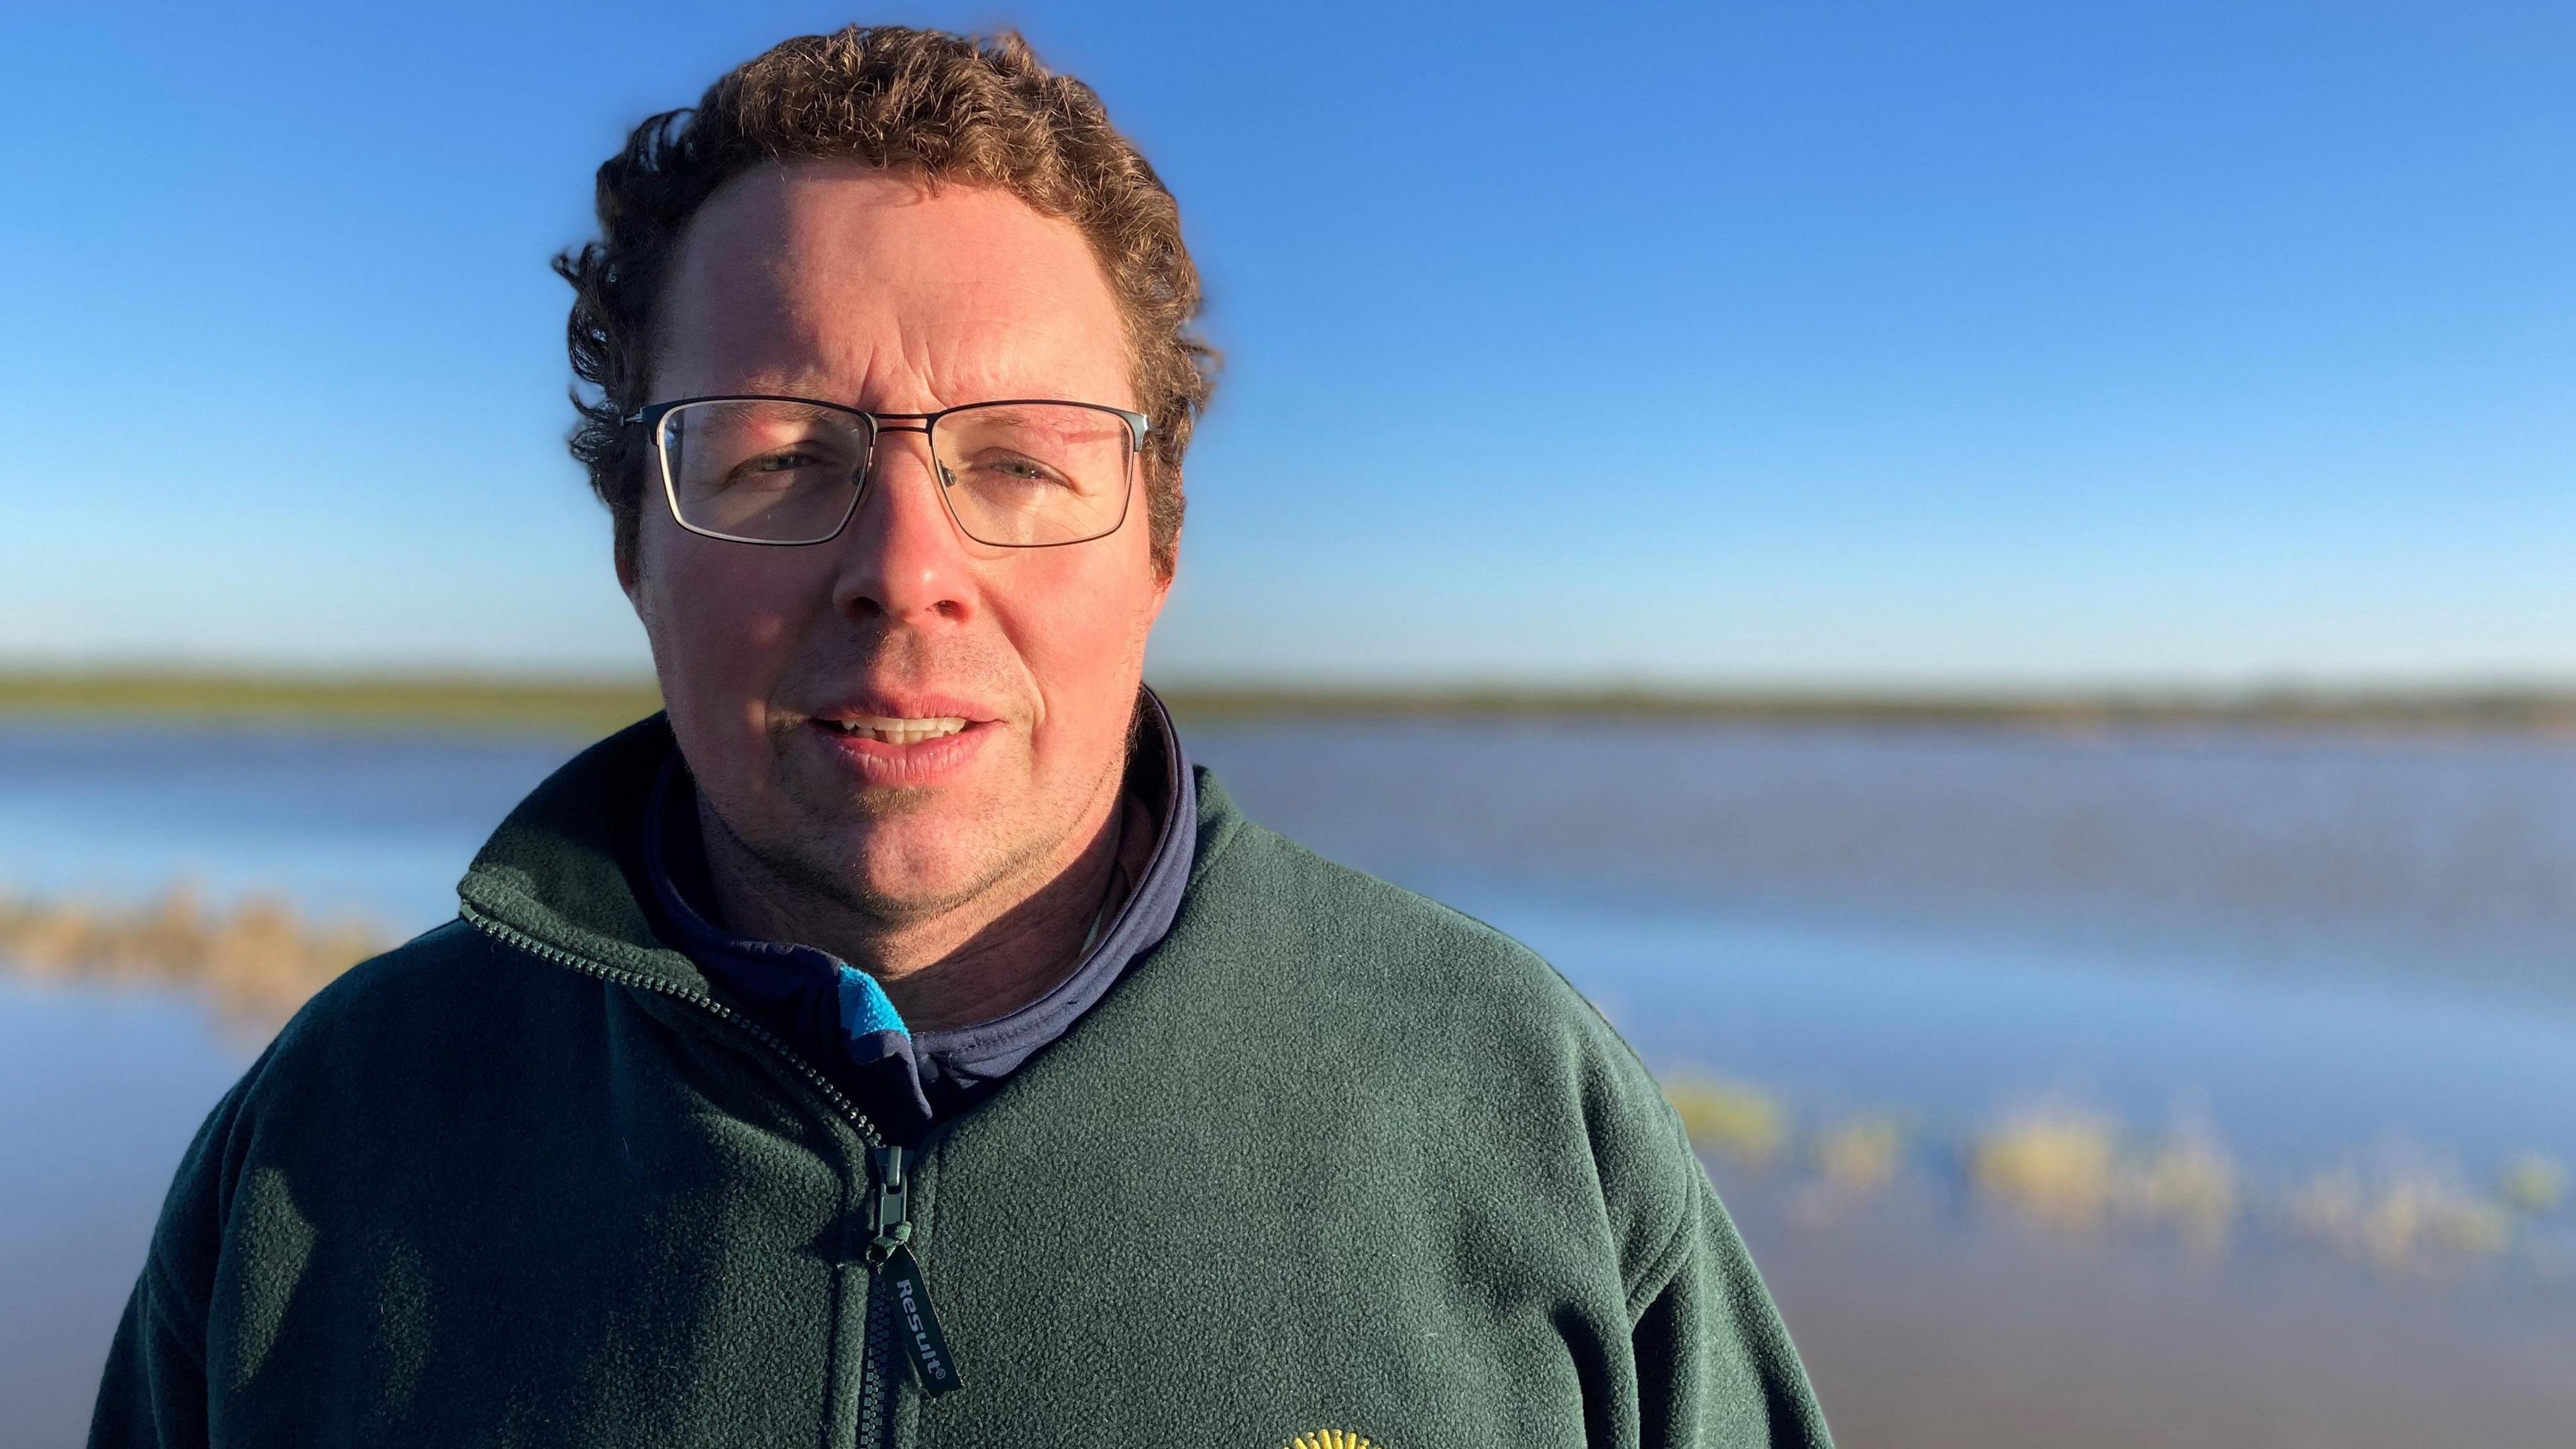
{"x": 839, "y": 1017}
{"x": 569, "y": 869}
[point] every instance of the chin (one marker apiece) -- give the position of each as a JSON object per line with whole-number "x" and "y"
{"x": 911, "y": 864}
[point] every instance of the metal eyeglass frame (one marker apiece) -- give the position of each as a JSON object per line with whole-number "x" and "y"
{"x": 879, "y": 424}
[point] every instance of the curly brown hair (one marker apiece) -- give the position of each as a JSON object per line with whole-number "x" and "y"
{"x": 975, "y": 111}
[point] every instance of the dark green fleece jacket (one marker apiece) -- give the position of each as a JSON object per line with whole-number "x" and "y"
{"x": 1332, "y": 1165}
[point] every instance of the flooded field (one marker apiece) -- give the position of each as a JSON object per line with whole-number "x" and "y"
{"x": 2133, "y": 1087}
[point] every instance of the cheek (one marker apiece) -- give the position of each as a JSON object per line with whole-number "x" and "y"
{"x": 725, "y": 623}
{"x": 1081, "y": 633}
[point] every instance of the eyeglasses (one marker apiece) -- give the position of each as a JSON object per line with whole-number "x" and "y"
{"x": 1019, "y": 473}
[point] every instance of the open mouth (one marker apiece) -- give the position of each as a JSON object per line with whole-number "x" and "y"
{"x": 894, "y": 731}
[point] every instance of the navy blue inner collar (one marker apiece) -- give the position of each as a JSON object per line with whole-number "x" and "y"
{"x": 835, "y": 1015}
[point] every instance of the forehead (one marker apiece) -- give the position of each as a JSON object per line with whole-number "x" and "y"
{"x": 844, "y": 282}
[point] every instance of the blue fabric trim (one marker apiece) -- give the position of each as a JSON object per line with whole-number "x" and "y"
{"x": 840, "y": 1016}
{"x": 865, "y": 1009}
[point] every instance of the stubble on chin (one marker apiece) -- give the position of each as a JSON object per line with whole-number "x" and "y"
{"x": 826, "y": 836}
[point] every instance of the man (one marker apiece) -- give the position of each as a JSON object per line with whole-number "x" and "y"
{"x": 898, "y": 1042}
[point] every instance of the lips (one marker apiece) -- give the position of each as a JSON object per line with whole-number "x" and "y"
{"x": 903, "y": 741}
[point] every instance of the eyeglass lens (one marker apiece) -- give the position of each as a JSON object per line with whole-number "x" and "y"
{"x": 1014, "y": 474}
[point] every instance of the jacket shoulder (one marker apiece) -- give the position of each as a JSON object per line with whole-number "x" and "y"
{"x": 1359, "y": 938}
{"x": 311, "y": 1065}
{"x": 405, "y": 1000}
{"x": 451, "y": 959}
{"x": 1454, "y": 1022}
{"x": 449, "y": 1030}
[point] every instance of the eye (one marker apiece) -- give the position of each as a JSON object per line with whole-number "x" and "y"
{"x": 1013, "y": 468}
{"x": 786, "y": 466}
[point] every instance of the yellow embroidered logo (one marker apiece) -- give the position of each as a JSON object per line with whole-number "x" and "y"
{"x": 1334, "y": 1439}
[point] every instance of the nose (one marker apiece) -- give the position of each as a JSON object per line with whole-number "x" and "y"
{"x": 902, "y": 558}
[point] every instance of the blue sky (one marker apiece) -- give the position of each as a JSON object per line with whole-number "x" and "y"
{"x": 1752, "y": 343}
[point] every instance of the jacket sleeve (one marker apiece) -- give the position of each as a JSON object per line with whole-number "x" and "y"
{"x": 1714, "y": 1363}
{"x": 154, "y": 1394}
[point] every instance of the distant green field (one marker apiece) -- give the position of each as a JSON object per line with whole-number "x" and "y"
{"x": 463, "y": 703}
{"x": 593, "y": 707}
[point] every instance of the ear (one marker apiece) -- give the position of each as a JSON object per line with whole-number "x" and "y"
{"x": 1162, "y": 578}
{"x": 1162, "y": 592}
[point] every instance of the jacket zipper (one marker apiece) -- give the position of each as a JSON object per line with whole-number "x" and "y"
{"x": 889, "y": 1255}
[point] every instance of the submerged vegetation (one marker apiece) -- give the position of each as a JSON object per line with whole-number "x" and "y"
{"x": 2065, "y": 1169}
{"x": 2077, "y": 1174}
{"x": 2070, "y": 1169}
{"x": 2403, "y": 1219}
{"x": 1730, "y": 1118}
{"x": 256, "y": 959}
{"x": 1860, "y": 1157}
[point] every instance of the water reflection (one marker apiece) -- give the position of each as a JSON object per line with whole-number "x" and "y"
{"x": 2239, "y": 853}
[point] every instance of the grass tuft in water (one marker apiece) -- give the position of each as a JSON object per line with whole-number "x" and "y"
{"x": 2534, "y": 1183}
{"x": 2188, "y": 1184}
{"x": 2053, "y": 1165}
{"x": 1860, "y": 1157}
{"x": 2409, "y": 1220}
{"x": 1730, "y": 1118}
{"x": 259, "y": 959}
{"x": 2071, "y": 1169}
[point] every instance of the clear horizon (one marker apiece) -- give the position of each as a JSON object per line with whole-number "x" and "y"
{"x": 1741, "y": 345}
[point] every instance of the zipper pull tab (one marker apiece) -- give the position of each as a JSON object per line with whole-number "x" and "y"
{"x": 916, "y": 1322}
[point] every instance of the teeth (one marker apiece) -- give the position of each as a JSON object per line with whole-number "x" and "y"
{"x": 897, "y": 731}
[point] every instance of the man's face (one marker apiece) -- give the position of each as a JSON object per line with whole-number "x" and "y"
{"x": 844, "y": 284}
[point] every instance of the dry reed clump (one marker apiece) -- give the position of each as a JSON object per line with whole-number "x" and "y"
{"x": 2408, "y": 1220}
{"x": 2051, "y": 1164}
{"x": 2077, "y": 1171}
{"x": 2533, "y": 1183}
{"x": 257, "y": 959}
{"x": 1860, "y": 1157}
{"x": 2188, "y": 1184}
{"x": 1730, "y": 1118}
{"x": 2064, "y": 1168}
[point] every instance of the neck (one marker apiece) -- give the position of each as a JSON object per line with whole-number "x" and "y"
{"x": 972, "y": 962}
